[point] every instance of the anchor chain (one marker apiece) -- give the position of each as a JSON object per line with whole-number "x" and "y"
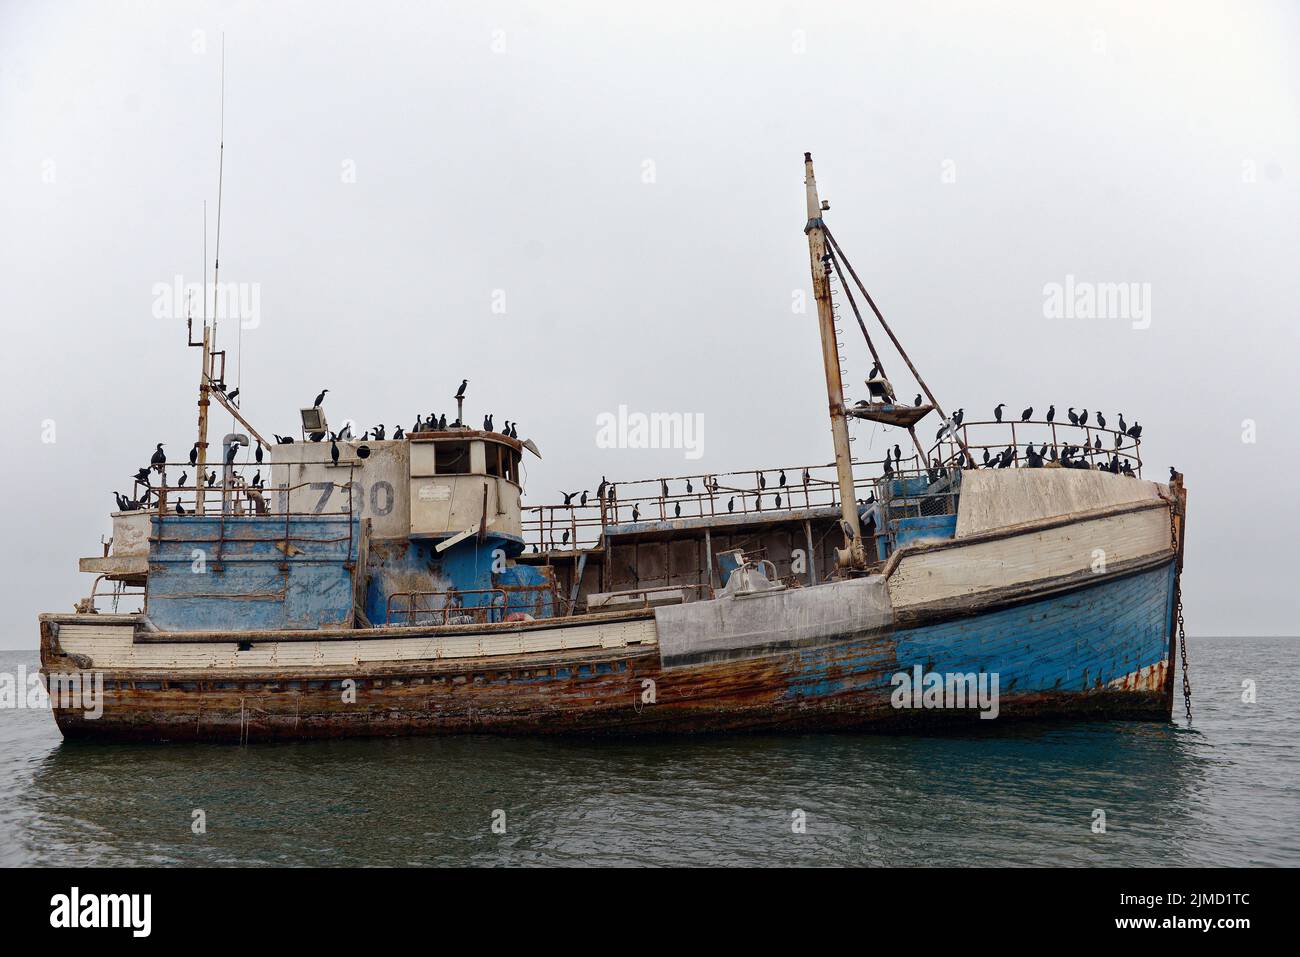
{"x": 1182, "y": 632}
{"x": 1182, "y": 643}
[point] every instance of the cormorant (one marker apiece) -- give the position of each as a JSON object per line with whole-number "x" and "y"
{"x": 691, "y": 488}
{"x": 1101, "y": 420}
{"x": 231, "y": 453}
{"x": 1074, "y": 418}
{"x": 583, "y": 500}
{"x": 997, "y": 411}
{"x": 506, "y": 430}
{"x": 600, "y": 489}
{"x": 1027, "y": 414}
{"x": 513, "y": 433}
{"x": 1051, "y": 413}
{"x": 212, "y": 478}
{"x": 898, "y": 453}
{"x": 568, "y": 497}
{"x": 636, "y": 513}
{"x": 1083, "y": 417}
{"x": 258, "y": 453}
{"x": 917, "y": 400}
{"x": 232, "y": 397}
{"x": 179, "y": 510}
{"x": 958, "y": 416}
{"x": 460, "y": 393}
{"x": 780, "y": 480}
{"x": 731, "y": 504}
{"x": 663, "y": 488}
{"x": 399, "y": 434}
{"x": 194, "y": 455}
{"x": 1135, "y": 432}
{"x": 677, "y": 509}
{"x": 159, "y": 457}
{"x": 778, "y": 499}
{"x": 334, "y": 450}
{"x": 320, "y": 398}
{"x": 184, "y": 477}
{"x": 1122, "y": 426}
{"x": 442, "y": 422}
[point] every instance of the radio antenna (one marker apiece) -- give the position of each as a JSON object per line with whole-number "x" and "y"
{"x": 221, "y": 157}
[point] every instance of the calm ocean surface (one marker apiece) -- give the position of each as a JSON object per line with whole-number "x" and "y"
{"x": 1226, "y": 792}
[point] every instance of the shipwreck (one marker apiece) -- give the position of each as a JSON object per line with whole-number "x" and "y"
{"x": 390, "y": 585}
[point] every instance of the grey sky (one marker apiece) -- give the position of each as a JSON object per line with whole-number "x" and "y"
{"x": 505, "y": 147}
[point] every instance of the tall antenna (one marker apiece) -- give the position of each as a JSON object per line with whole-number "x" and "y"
{"x": 203, "y": 294}
{"x": 221, "y": 161}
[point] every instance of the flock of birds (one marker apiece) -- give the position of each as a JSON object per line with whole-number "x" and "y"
{"x": 1066, "y": 456}
{"x": 379, "y": 433}
{"x": 1069, "y": 456}
{"x": 1080, "y": 418}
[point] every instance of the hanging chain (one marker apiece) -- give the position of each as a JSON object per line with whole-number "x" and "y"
{"x": 1182, "y": 632}
{"x": 1182, "y": 642}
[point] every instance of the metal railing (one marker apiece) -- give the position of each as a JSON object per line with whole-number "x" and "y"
{"x": 164, "y": 514}
{"x": 988, "y": 440}
{"x": 90, "y": 604}
{"x": 706, "y": 495}
{"x": 447, "y": 606}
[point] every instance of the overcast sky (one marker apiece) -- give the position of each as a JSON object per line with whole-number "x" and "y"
{"x": 626, "y": 180}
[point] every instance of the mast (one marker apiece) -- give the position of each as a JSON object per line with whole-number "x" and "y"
{"x": 855, "y": 554}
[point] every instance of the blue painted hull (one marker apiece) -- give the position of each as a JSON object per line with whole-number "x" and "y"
{"x": 1099, "y": 651}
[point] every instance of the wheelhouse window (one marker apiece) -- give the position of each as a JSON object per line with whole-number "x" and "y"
{"x": 451, "y": 458}
{"x": 503, "y": 462}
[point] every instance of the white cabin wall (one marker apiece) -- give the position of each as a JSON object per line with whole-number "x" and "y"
{"x": 1000, "y": 498}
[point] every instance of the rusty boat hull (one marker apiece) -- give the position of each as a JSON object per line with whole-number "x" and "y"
{"x": 1088, "y": 650}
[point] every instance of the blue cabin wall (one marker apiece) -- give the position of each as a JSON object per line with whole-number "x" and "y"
{"x": 923, "y": 527}
{"x": 206, "y": 572}
{"x": 470, "y": 567}
{"x": 252, "y": 585}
